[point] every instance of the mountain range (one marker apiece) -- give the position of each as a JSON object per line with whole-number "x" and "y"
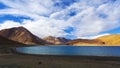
{"x": 20, "y": 35}
{"x": 55, "y": 40}
{"x": 84, "y": 42}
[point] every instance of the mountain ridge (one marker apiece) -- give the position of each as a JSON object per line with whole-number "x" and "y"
{"x": 113, "y": 39}
{"x": 55, "y": 40}
{"x": 84, "y": 42}
{"x": 22, "y": 35}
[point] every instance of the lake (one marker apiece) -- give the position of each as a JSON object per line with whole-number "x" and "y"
{"x": 71, "y": 50}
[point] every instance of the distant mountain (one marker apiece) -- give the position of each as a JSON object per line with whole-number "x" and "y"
{"x": 22, "y": 35}
{"x": 83, "y": 42}
{"x": 113, "y": 39}
{"x": 55, "y": 40}
{"x": 107, "y": 40}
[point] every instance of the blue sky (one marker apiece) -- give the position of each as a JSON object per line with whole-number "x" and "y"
{"x": 13, "y": 18}
{"x": 62, "y": 18}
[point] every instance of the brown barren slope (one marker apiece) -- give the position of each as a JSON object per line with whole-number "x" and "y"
{"x": 107, "y": 40}
{"x": 55, "y": 40}
{"x": 85, "y": 42}
{"x": 111, "y": 39}
{"x": 6, "y": 45}
{"x": 5, "y": 41}
{"x": 22, "y": 35}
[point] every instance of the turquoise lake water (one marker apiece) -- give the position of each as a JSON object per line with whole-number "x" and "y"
{"x": 71, "y": 50}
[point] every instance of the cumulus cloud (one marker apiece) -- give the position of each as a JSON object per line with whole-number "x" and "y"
{"x": 45, "y": 27}
{"x": 54, "y": 17}
{"x": 9, "y": 24}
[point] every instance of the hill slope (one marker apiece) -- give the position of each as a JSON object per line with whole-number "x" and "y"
{"x": 6, "y": 44}
{"x": 111, "y": 39}
{"x": 85, "y": 42}
{"x": 22, "y": 35}
{"x": 5, "y": 41}
{"x": 55, "y": 40}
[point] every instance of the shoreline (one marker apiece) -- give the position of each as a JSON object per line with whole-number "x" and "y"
{"x": 101, "y": 58}
{"x": 21, "y": 60}
{"x": 43, "y": 61}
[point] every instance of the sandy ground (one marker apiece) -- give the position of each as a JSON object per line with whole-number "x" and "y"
{"x": 32, "y": 61}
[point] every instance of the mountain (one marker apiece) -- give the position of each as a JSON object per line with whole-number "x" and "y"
{"x": 113, "y": 39}
{"x": 107, "y": 40}
{"x": 5, "y": 41}
{"x": 83, "y": 42}
{"x": 6, "y": 44}
{"x": 22, "y": 35}
{"x": 55, "y": 40}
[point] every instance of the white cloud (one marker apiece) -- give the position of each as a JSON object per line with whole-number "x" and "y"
{"x": 46, "y": 27}
{"x": 91, "y": 18}
{"x": 9, "y": 24}
{"x": 30, "y": 6}
{"x": 94, "y": 37}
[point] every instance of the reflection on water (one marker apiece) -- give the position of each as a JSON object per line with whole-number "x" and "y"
{"x": 71, "y": 50}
